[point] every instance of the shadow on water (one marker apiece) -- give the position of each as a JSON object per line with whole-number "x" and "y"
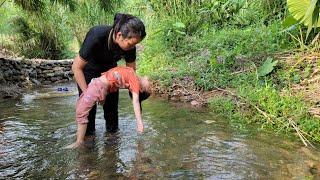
{"x": 179, "y": 142}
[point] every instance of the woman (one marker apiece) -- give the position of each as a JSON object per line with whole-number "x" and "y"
{"x": 102, "y": 48}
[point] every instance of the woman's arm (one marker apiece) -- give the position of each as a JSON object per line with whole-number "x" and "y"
{"x": 77, "y": 68}
{"x": 137, "y": 111}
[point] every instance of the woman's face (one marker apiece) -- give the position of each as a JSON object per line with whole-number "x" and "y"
{"x": 126, "y": 43}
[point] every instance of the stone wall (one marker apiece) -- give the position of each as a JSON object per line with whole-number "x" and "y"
{"x": 28, "y": 72}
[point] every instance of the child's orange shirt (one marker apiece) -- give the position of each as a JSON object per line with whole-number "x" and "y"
{"x": 122, "y": 74}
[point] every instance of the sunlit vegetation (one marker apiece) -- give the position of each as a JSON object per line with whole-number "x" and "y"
{"x": 236, "y": 44}
{"x": 49, "y": 28}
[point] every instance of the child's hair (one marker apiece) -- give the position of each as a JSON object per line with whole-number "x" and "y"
{"x": 129, "y": 25}
{"x": 142, "y": 96}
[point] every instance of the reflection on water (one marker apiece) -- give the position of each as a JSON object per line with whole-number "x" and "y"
{"x": 178, "y": 144}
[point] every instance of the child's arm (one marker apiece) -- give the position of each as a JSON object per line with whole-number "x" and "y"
{"x": 137, "y": 111}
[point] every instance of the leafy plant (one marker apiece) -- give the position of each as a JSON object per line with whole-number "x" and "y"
{"x": 305, "y": 12}
{"x": 267, "y": 67}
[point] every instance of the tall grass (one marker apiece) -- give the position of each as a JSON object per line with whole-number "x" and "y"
{"x": 49, "y": 30}
{"x": 88, "y": 14}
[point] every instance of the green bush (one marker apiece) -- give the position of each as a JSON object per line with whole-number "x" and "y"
{"x": 48, "y": 29}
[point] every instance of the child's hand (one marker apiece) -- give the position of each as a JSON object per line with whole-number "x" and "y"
{"x": 140, "y": 127}
{"x": 74, "y": 145}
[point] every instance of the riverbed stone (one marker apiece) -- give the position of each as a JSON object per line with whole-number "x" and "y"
{"x": 1, "y": 77}
{"x": 34, "y": 81}
{"x": 50, "y": 75}
{"x": 59, "y": 73}
{"x": 195, "y": 103}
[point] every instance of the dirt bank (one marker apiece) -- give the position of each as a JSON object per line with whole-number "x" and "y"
{"x": 184, "y": 90}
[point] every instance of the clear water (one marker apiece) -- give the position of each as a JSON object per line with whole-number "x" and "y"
{"x": 179, "y": 143}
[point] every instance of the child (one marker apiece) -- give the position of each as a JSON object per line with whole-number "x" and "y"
{"x": 109, "y": 82}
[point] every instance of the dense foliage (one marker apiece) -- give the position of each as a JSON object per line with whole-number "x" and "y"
{"x": 51, "y": 29}
{"x": 232, "y": 44}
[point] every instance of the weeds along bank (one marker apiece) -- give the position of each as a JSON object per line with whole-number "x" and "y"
{"x": 240, "y": 49}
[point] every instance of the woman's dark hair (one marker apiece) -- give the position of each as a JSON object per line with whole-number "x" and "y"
{"x": 142, "y": 96}
{"x": 129, "y": 26}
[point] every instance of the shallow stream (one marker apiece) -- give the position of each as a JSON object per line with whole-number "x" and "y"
{"x": 180, "y": 142}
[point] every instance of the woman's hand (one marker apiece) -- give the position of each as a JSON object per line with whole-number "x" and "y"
{"x": 120, "y": 81}
{"x": 101, "y": 102}
{"x": 77, "y": 69}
